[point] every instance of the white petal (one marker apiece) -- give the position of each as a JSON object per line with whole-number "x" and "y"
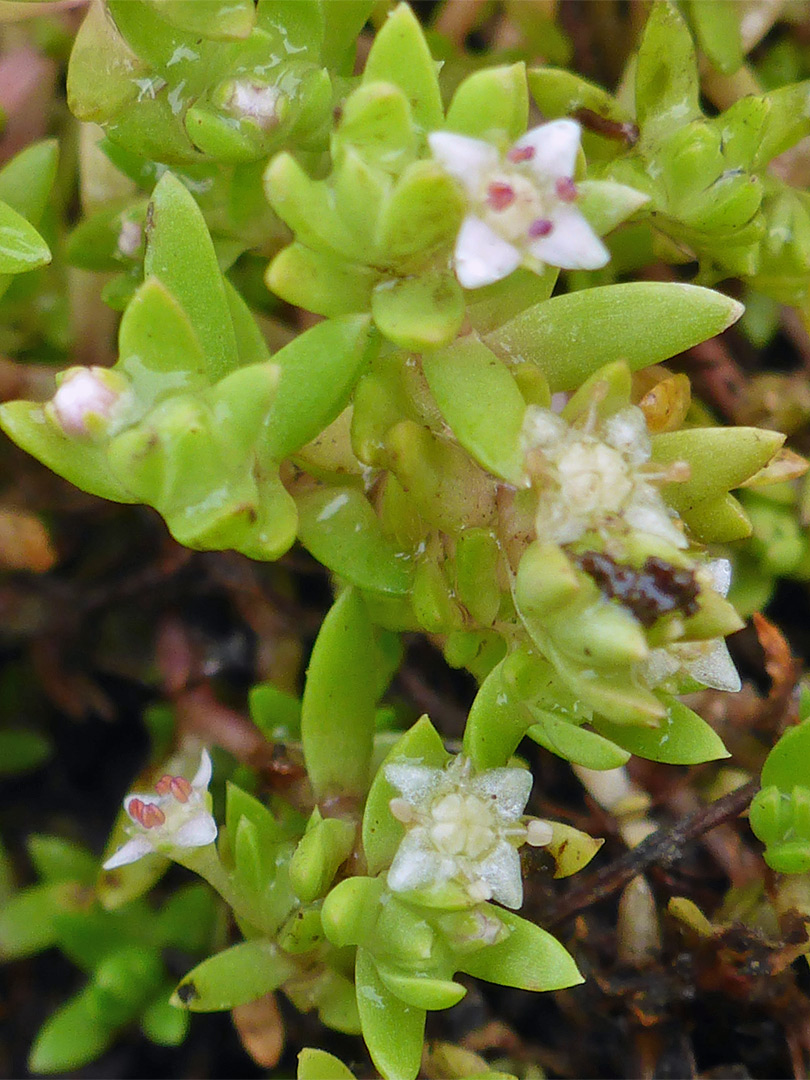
{"x": 415, "y": 782}
{"x": 501, "y": 871}
{"x": 715, "y": 668}
{"x": 467, "y": 160}
{"x": 196, "y": 832}
{"x": 647, "y": 517}
{"x": 555, "y": 148}
{"x": 508, "y": 790}
{"x": 482, "y": 257}
{"x": 129, "y": 852}
{"x": 659, "y": 666}
{"x": 572, "y": 244}
{"x": 719, "y": 573}
{"x": 416, "y": 863}
{"x": 202, "y": 777}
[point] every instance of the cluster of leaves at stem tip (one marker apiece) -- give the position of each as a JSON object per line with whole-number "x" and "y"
{"x": 475, "y": 449}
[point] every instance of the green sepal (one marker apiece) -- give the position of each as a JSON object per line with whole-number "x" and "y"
{"x": 573, "y": 743}
{"x": 423, "y": 991}
{"x": 234, "y": 977}
{"x": 318, "y": 855}
{"x": 337, "y": 712}
{"x": 382, "y": 832}
{"x": 546, "y": 581}
{"x": 349, "y": 913}
{"x": 318, "y": 370}
{"x": 179, "y": 253}
{"x": 340, "y": 528}
{"x": 490, "y": 104}
{"x": 318, "y": 1065}
{"x": 392, "y": 1030}
{"x": 302, "y": 932}
{"x": 482, "y": 403}
{"x": 529, "y": 958}
{"x": 667, "y": 85}
{"x": 569, "y": 337}
{"x": 400, "y": 55}
{"x": 683, "y": 738}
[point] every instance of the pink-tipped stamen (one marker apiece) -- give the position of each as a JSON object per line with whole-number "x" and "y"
{"x": 566, "y": 189}
{"x": 540, "y": 227}
{"x": 520, "y": 153}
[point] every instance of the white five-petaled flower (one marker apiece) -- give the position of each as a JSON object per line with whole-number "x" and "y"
{"x": 521, "y": 206}
{"x": 176, "y": 815}
{"x": 597, "y": 476}
{"x": 708, "y": 662}
{"x": 462, "y": 832}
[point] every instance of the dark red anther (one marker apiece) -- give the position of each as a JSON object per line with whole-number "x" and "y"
{"x": 151, "y": 816}
{"x": 135, "y": 810}
{"x": 180, "y": 788}
{"x": 164, "y": 784}
{"x": 520, "y": 153}
{"x": 540, "y": 227}
{"x": 566, "y": 189}
{"x": 500, "y": 195}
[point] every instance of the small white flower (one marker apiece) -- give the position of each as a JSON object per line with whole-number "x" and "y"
{"x": 176, "y": 815}
{"x": 87, "y": 400}
{"x": 597, "y": 476}
{"x": 255, "y": 101}
{"x": 462, "y": 831}
{"x": 521, "y": 205}
{"x": 707, "y": 662}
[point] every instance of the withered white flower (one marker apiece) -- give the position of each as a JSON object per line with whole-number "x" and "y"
{"x": 597, "y": 476}
{"x": 707, "y": 662}
{"x": 522, "y": 205}
{"x": 176, "y": 815}
{"x": 462, "y": 832}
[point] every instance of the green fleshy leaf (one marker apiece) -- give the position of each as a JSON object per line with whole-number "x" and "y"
{"x": 786, "y": 122}
{"x": 424, "y": 212}
{"x": 220, "y": 19}
{"x": 318, "y": 1065}
{"x": 529, "y": 958}
{"x": 91, "y": 98}
{"x": 569, "y": 337}
{"x": 163, "y": 1023}
{"x": 320, "y": 281}
{"x": 717, "y": 26}
{"x": 57, "y": 859}
{"x": 606, "y": 204}
{"x": 667, "y": 87}
{"x": 400, "y": 55}
{"x": 482, "y": 404}
{"x": 393, "y": 1031}
{"x": 493, "y": 305}
{"x": 491, "y": 103}
{"x": 560, "y": 93}
{"x": 419, "y": 313}
{"x": 786, "y": 765}
{"x": 26, "y": 181}
{"x": 421, "y": 990}
{"x": 21, "y": 246}
{"x": 337, "y": 713}
{"x": 319, "y": 369}
{"x": 339, "y": 527}
{"x": 27, "y": 921}
{"x": 682, "y": 739}
{"x": 319, "y": 854}
{"x": 718, "y": 521}
{"x": 188, "y": 919}
{"x": 382, "y": 833}
{"x": 22, "y": 750}
{"x": 308, "y": 209}
{"x": 274, "y": 712}
{"x": 71, "y": 1037}
{"x": 180, "y": 254}
{"x": 478, "y": 558}
{"x": 350, "y": 911}
{"x": 234, "y": 977}
{"x": 377, "y": 122}
{"x": 497, "y": 722}
{"x": 576, "y": 744}
{"x": 720, "y": 460}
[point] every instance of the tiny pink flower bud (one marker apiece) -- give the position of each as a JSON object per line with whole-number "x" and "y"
{"x": 87, "y": 400}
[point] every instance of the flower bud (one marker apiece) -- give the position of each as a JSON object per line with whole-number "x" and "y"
{"x": 87, "y": 400}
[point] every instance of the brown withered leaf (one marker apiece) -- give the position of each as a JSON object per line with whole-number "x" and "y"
{"x": 261, "y": 1030}
{"x": 667, "y": 403}
{"x": 24, "y": 542}
{"x": 786, "y": 464}
{"x": 783, "y": 669}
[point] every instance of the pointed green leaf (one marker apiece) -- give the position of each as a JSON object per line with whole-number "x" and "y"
{"x": 340, "y": 528}
{"x": 57, "y": 859}
{"x": 491, "y": 103}
{"x": 21, "y": 246}
{"x": 667, "y": 88}
{"x": 394, "y": 1032}
{"x": 569, "y": 337}
{"x": 72, "y": 1036}
{"x": 787, "y": 121}
{"x": 424, "y": 212}
{"x": 606, "y": 204}
{"x": 26, "y": 181}
{"x": 319, "y": 369}
{"x": 350, "y": 911}
{"x": 382, "y": 833}
{"x": 319, "y": 854}
{"x": 576, "y": 744}
{"x": 320, "y": 281}
{"x": 91, "y": 97}
{"x": 220, "y": 19}
{"x": 234, "y": 977}
{"x": 682, "y": 739}
{"x": 529, "y": 958}
{"x": 419, "y": 989}
{"x": 180, "y": 254}
{"x": 27, "y": 920}
{"x": 482, "y": 404}
{"x": 717, "y": 26}
{"x": 786, "y": 766}
{"x": 343, "y": 24}
{"x": 337, "y": 713}
{"x": 497, "y": 722}
{"x": 400, "y": 55}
